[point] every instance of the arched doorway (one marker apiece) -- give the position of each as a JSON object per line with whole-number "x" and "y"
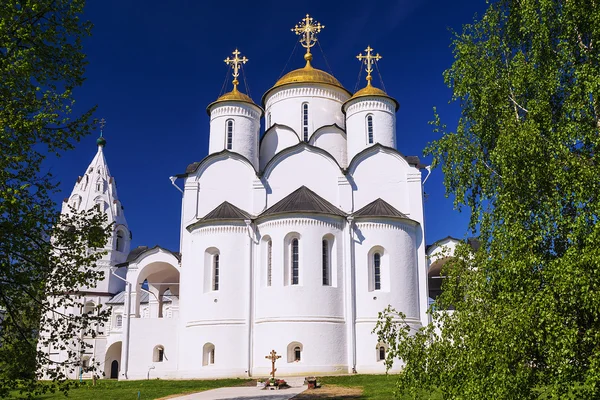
{"x": 114, "y": 370}
{"x": 112, "y": 361}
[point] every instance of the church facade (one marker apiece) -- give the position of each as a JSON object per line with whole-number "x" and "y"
{"x": 291, "y": 241}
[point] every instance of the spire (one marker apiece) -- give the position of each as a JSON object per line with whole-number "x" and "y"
{"x": 307, "y": 29}
{"x": 369, "y": 59}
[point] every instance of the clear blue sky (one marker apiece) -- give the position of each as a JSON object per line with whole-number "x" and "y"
{"x": 155, "y": 65}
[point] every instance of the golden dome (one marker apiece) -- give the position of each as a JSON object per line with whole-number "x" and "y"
{"x": 234, "y": 95}
{"x": 308, "y": 74}
{"x": 369, "y": 91}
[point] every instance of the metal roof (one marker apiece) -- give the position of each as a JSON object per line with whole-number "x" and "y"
{"x": 379, "y": 208}
{"x": 303, "y": 200}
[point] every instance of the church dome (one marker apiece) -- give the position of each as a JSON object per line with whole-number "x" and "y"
{"x": 370, "y": 91}
{"x": 308, "y": 74}
{"x": 233, "y": 96}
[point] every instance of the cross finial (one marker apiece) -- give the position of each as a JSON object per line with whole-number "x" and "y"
{"x": 307, "y": 29}
{"x": 369, "y": 59}
{"x": 236, "y": 62}
{"x": 102, "y": 123}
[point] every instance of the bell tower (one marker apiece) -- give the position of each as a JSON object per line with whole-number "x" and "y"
{"x": 97, "y": 188}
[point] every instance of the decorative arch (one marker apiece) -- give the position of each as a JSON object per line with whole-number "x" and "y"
{"x": 300, "y": 147}
{"x": 198, "y": 168}
{"x": 374, "y": 149}
{"x": 294, "y": 352}
{"x": 208, "y": 354}
{"x": 75, "y": 201}
{"x": 89, "y": 307}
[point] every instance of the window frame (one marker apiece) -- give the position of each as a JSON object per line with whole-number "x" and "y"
{"x": 325, "y": 262}
{"x": 216, "y": 261}
{"x": 229, "y": 128}
{"x": 370, "y": 129}
{"x": 376, "y": 270}
{"x": 269, "y": 262}
{"x": 305, "y": 121}
{"x": 295, "y": 261}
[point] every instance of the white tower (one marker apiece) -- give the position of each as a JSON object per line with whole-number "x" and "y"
{"x": 370, "y": 114}
{"x": 97, "y": 188}
{"x": 235, "y": 119}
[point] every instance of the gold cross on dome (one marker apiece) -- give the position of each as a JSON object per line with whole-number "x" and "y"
{"x": 369, "y": 59}
{"x": 307, "y": 29}
{"x": 236, "y": 62}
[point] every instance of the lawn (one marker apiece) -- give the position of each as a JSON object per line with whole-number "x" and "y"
{"x": 148, "y": 389}
{"x": 374, "y": 387}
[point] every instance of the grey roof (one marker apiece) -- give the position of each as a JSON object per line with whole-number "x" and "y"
{"x": 119, "y": 298}
{"x": 303, "y": 200}
{"x": 379, "y": 208}
{"x": 138, "y": 251}
{"x": 227, "y": 211}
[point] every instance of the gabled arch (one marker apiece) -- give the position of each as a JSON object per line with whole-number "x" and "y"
{"x": 302, "y": 146}
{"x": 319, "y": 129}
{"x": 272, "y": 128}
{"x": 374, "y": 149}
{"x": 199, "y": 166}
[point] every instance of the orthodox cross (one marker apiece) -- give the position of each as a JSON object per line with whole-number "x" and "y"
{"x": 236, "y": 62}
{"x": 369, "y": 59}
{"x": 102, "y": 123}
{"x": 307, "y": 29}
{"x": 273, "y": 357}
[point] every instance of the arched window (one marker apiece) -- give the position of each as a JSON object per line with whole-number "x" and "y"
{"x": 208, "y": 354}
{"x": 120, "y": 242}
{"x": 229, "y": 125}
{"x": 381, "y": 353}
{"x": 99, "y": 185}
{"x": 326, "y": 267}
{"x": 381, "y": 350}
{"x": 369, "y": 129}
{"x": 294, "y": 352}
{"x": 295, "y": 261}
{"x": 377, "y": 271}
{"x": 119, "y": 321}
{"x": 89, "y": 307}
{"x": 305, "y": 121}
{"x": 159, "y": 354}
{"x": 85, "y": 363}
{"x": 215, "y": 283}
{"x": 269, "y": 261}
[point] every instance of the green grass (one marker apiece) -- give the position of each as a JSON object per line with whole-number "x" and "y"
{"x": 149, "y": 389}
{"x": 375, "y": 387}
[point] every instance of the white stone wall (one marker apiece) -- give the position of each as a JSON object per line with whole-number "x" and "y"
{"x": 284, "y": 104}
{"x": 246, "y": 126}
{"x": 384, "y": 123}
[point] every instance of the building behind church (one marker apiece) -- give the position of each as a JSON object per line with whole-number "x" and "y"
{"x": 292, "y": 240}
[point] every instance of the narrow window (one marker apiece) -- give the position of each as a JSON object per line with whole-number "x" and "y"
{"x": 86, "y": 363}
{"x": 99, "y": 186}
{"x": 297, "y": 353}
{"x": 120, "y": 246}
{"x": 229, "y": 134}
{"x": 325, "y": 263}
{"x": 216, "y": 272}
{"x": 119, "y": 321}
{"x": 377, "y": 271}
{"x": 161, "y": 355}
{"x": 295, "y": 260}
{"x": 305, "y": 121}
{"x": 269, "y": 261}
{"x": 370, "y": 129}
{"x": 269, "y": 120}
{"x": 212, "y": 356}
{"x": 382, "y": 353}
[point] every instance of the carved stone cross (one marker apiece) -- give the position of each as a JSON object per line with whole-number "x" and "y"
{"x": 273, "y": 357}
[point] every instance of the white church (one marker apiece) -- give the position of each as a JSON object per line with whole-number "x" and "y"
{"x": 298, "y": 237}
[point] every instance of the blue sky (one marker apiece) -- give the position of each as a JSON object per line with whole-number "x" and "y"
{"x": 155, "y": 65}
